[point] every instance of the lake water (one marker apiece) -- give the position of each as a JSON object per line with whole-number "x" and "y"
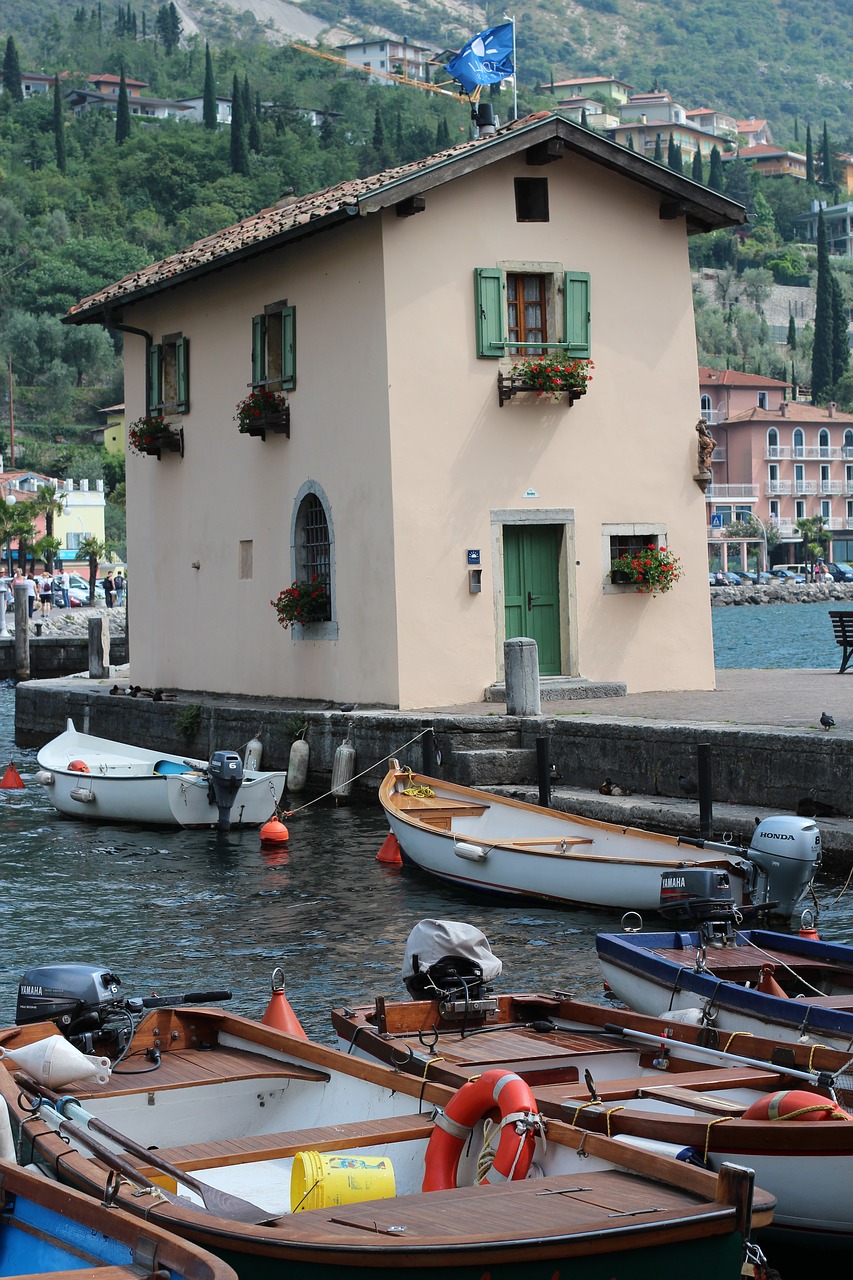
{"x": 775, "y": 635}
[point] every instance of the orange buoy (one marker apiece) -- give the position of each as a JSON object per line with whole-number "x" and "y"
{"x": 807, "y": 927}
{"x": 390, "y": 851}
{"x": 278, "y": 1012}
{"x": 78, "y": 766}
{"x": 767, "y": 984}
{"x": 274, "y": 832}
{"x": 795, "y": 1104}
{"x": 12, "y": 780}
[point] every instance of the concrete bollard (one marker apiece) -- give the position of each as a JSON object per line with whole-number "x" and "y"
{"x": 521, "y": 664}
{"x": 99, "y": 647}
{"x": 22, "y": 632}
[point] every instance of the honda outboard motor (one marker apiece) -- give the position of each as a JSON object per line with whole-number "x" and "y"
{"x": 451, "y": 962}
{"x": 225, "y": 775}
{"x": 785, "y": 853}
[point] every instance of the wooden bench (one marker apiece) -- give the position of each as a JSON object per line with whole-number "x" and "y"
{"x": 842, "y": 626}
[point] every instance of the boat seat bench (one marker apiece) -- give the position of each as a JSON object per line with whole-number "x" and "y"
{"x": 283, "y": 1146}
{"x": 842, "y": 626}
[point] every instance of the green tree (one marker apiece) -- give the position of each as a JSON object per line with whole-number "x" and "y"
{"x": 757, "y": 286}
{"x": 12, "y": 72}
{"x": 239, "y": 149}
{"x": 658, "y": 156}
{"x": 840, "y": 341}
{"x": 59, "y": 127}
{"x": 792, "y": 334}
{"x": 93, "y": 550}
{"x": 209, "y": 108}
{"x": 168, "y": 27}
{"x": 815, "y": 538}
{"x": 697, "y": 172}
{"x": 810, "y": 177}
{"x": 827, "y": 162}
{"x": 823, "y": 323}
{"x": 122, "y": 112}
{"x": 716, "y": 179}
{"x": 48, "y": 502}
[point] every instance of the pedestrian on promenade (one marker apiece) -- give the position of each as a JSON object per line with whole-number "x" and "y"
{"x": 119, "y": 581}
{"x": 31, "y": 594}
{"x": 45, "y": 592}
{"x": 65, "y": 584}
{"x": 109, "y": 589}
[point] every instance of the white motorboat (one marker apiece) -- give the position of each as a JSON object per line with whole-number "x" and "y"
{"x": 478, "y": 840}
{"x": 89, "y": 777}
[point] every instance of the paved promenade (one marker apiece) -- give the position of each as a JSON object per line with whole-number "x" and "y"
{"x": 784, "y": 699}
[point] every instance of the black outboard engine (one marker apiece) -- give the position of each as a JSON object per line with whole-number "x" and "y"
{"x": 452, "y": 963}
{"x": 225, "y": 778}
{"x": 695, "y": 893}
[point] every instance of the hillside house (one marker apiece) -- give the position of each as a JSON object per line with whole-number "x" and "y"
{"x": 385, "y": 55}
{"x": 645, "y": 138}
{"x": 773, "y": 162}
{"x": 592, "y": 86}
{"x": 838, "y": 221}
{"x": 441, "y": 507}
{"x": 712, "y": 121}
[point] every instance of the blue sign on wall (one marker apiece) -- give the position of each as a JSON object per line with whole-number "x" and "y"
{"x": 473, "y": 555}
{"x": 716, "y": 521}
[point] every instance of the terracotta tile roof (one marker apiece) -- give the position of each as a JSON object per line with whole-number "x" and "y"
{"x": 731, "y": 378}
{"x": 798, "y": 411}
{"x": 766, "y": 149}
{"x": 299, "y": 216}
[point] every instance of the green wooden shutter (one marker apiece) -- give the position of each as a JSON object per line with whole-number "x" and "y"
{"x": 577, "y": 312}
{"x": 182, "y": 375}
{"x": 155, "y": 396}
{"x": 288, "y": 348}
{"x": 259, "y": 350}
{"x": 489, "y": 303}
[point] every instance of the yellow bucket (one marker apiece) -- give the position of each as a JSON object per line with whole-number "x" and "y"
{"x": 320, "y": 1180}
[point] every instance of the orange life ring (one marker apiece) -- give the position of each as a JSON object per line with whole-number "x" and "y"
{"x": 514, "y": 1099}
{"x": 795, "y": 1104}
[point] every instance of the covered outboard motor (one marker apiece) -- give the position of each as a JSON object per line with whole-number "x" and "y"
{"x": 785, "y": 853}
{"x": 695, "y": 893}
{"x": 450, "y": 961}
{"x": 225, "y": 774}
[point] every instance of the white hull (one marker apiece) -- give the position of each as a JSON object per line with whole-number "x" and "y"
{"x": 509, "y": 847}
{"x": 121, "y": 785}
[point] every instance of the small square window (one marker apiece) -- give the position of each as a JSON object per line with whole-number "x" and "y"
{"x": 246, "y": 558}
{"x": 531, "y": 200}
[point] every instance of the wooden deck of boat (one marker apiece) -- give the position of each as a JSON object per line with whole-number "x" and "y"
{"x": 719, "y": 963}
{"x": 497, "y": 1048}
{"x": 180, "y": 1068}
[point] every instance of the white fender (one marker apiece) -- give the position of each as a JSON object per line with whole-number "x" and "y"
{"x": 7, "y": 1142}
{"x": 55, "y": 1063}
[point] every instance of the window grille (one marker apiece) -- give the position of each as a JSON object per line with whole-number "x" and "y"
{"x": 313, "y": 545}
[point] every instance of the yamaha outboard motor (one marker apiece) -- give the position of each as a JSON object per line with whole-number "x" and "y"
{"x": 785, "y": 853}
{"x": 695, "y": 893}
{"x": 449, "y": 961}
{"x": 225, "y": 774}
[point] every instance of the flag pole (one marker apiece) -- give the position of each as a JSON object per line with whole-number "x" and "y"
{"x": 514, "y": 70}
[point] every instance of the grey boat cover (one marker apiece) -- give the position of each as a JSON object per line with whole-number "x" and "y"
{"x": 433, "y": 940}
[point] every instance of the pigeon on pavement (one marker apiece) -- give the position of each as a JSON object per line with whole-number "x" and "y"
{"x": 827, "y": 720}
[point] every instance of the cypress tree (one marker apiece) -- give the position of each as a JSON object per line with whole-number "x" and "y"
{"x": 715, "y": 170}
{"x": 122, "y": 112}
{"x": 658, "y": 156}
{"x": 698, "y": 172}
{"x": 630, "y": 142}
{"x": 209, "y": 108}
{"x": 809, "y": 155}
{"x": 12, "y": 72}
{"x": 247, "y": 100}
{"x": 792, "y": 333}
{"x": 796, "y": 129}
{"x": 378, "y": 132}
{"x": 823, "y": 320}
{"x": 442, "y": 134}
{"x": 239, "y": 150}
{"x": 826, "y": 166}
{"x": 840, "y": 342}
{"x": 59, "y": 126}
{"x": 255, "y": 134}
{"x": 584, "y": 120}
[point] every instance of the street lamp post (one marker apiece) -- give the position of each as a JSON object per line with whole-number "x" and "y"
{"x": 760, "y": 523}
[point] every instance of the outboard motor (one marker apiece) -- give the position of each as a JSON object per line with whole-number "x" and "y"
{"x": 225, "y": 777}
{"x": 695, "y": 893}
{"x": 451, "y": 962}
{"x": 785, "y": 853}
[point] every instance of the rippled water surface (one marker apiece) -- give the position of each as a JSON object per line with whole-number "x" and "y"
{"x": 174, "y": 911}
{"x": 775, "y": 635}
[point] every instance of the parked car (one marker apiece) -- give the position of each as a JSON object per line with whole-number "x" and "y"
{"x": 82, "y": 584}
{"x": 840, "y": 572}
{"x": 731, "y": 579}
{"x": 753, "y": 579}
{"x": 787, "y": 575}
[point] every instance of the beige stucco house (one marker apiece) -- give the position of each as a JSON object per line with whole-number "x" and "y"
{"x": 440, "y": 521}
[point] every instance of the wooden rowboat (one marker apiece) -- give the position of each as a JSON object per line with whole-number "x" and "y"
{"x": 682, "y": 1089}
{"x": 228, "y": 1104}
{"x": 49, "y": 1230}
{"x": 96, "y": 778}
{"x": 478, "y": 840}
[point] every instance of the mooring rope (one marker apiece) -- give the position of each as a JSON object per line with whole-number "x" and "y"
{"x": 289, "y": 813}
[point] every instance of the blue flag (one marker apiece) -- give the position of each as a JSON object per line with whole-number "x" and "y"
{"x": 485, "y": 59}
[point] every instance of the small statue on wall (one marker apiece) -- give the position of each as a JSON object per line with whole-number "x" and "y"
{"x": 706, "y": 446}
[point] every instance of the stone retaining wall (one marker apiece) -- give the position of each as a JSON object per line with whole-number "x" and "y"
{"x": 794, "y": 593}
{"x": 62, "y": 655}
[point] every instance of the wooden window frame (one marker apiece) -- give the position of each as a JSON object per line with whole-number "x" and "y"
{"x": 567, "y": 319}
{"x": 169, "y": 375}
{"x": 274, "y": 348}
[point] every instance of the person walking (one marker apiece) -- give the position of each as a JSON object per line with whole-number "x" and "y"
{"x": 65, "y": 584}
{"x": 109, "y": 589}
{"x": 45, "y": 592}
{"x": 31, "y": 594}
{"x": 119, "y": 581}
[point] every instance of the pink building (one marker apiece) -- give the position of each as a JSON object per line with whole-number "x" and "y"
{"x": 777, "y": 459}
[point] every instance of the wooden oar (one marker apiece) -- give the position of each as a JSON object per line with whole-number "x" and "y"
{"x": 222, "y": 1203}
{"x": 821, "y": 1079}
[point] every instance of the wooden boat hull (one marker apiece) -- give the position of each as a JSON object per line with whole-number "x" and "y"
{"x": 480, "y": 841}
{"x": 656, "y": 972}
{"x": 125, "y": 783}
{"x": 681, "y": 1098}
{"x": 47, "y": 1228}
{"x": 234, "y": 1102}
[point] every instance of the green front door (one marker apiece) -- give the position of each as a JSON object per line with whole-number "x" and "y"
{"x": 532, "y": 591}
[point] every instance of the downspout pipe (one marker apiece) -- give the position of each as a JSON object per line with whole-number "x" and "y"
{"x": 149, "y": 340}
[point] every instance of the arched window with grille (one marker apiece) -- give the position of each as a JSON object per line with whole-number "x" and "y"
{"x": 312, "y": 552}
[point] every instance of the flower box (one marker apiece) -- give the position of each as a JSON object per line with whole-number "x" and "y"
{"x": 277, "y": 423}
{"x": 153, "y": 436}
{"x": 166, "y": 442}
{"x": 510, "y": 384}
{"x": 620, "y": 578}
{"x": 651, "y": 569}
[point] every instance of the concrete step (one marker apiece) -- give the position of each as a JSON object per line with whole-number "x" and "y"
{"x": 559, "y": 688}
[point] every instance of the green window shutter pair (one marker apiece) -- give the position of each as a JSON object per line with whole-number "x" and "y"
{"x": 182, "y": 375}
{"x": 491, "y": 312}
{"x": 287, "y": 319}
{"x": 160, "y": 355}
